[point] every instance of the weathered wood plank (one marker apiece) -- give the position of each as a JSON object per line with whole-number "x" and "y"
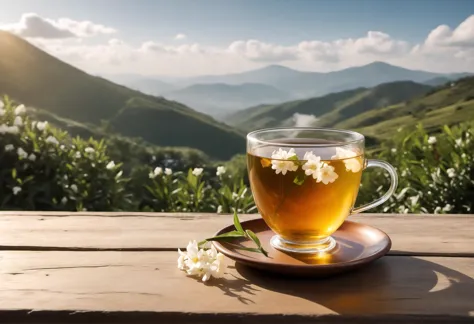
{"x": 150, "y": 282}
{"x": 411, "y": 234}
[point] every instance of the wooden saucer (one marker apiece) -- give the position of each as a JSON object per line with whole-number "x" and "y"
{"x": 357, "y": 245}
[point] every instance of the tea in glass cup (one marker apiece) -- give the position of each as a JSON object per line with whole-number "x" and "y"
{"x": 305, "y": 182}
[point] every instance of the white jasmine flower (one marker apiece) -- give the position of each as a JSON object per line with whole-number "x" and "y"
{"x": 219, "y": 209}
{"x": 197, "y": 171}
{"x": 220, "y": 170}
{"x": 351, "y": 164}
{"x": 110, "y": 165}
{"x": 437, "y": 210}
{"x": 447, "y": 208}
{"x": 32, "y": 157}
{"x": 168, "y": 171}
{"x": 9, "y": 147}
{"x": 158, "y": 171}
{"x": 394, "y": 150}
{"x": 78, "y": 155}
{"x": 280, "y": 161}
{"x": 64, "y": 201}
{"x": 16, "y": 190}
{"x": 20, "y": 110}
{"x": 52, "y": 140}
{"x": 21, "y": 153}
{"x": 41, "y": 125}
{"x": 313, "y": 165}
{"x": 18, "y": 121}
{"x": 327, "y": 174}
{"x": 2, "y": 111}
{"x": 202, "y": 263}
{"x": 451, "y": 172}
{"x": 217, "y": 265}
{"x": 119, "y": 174}
{"x": 458, "y": 142}
{"x": 65, "y": 177}
{"x": 74, "y": 188}
{"x": 235, "y": 196}
{"x": 431, "y": 140}
{"x": 89, "y": 150}
{"x": 4, "y": 129}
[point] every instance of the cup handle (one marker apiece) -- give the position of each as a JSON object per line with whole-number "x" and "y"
{"x": 393, "y": 185}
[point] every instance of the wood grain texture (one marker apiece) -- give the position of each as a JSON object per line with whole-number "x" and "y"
{"x": 411, "y": 234}
{"x": 150, "y": 282}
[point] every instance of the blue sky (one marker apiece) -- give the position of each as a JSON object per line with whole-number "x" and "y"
{"x": 218, "y": 23}
{"x": 282, "y": 21}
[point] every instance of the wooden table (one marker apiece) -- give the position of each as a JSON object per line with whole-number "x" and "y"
{"x": 121, "y": 267}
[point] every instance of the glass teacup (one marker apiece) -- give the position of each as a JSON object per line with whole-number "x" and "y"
{"x": 305, "y": 182}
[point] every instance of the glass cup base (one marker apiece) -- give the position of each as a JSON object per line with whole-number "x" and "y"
{"x": 320, "y": 246}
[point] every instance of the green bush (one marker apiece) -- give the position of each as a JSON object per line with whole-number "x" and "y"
{"x": 44, "y": 169}
{"x": 436, "y": 172}
{"x": 198, "y": 191}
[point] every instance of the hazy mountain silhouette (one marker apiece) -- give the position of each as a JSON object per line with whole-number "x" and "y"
{"x": 220, "y": 99}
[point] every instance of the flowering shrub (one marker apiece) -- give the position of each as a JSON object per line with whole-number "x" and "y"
{"x": 43, "y": 169}
{"x": 436, "y": 172}
{"x": 196, "y": 191}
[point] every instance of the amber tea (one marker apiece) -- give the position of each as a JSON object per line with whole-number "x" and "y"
{"x": 311, "y": 199}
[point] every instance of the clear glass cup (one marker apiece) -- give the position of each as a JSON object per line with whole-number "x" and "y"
{"x": 305, "y": 182}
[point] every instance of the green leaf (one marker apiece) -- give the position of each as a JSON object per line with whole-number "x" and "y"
{"x": 258, "y": 250}
{"x": 14, "y": 173}
{"x": 237, "y": 224}
{"x": 253, "y": 237}
{"x": 299, "y": 179}
{"x": 295, "y": 160}
{"x": 226, "y": 236}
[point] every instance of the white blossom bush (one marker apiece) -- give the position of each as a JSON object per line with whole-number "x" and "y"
{"x": 41, "y": 168}
{"x": 198, "y": 191}
{"x": 436, "y": 172}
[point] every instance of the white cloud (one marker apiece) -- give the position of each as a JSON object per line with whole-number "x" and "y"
{"x": 32, "y": 25}
{"x": 180, "y": 37}
{"x": 462, "y": 36}
{"x": 263, "y": 52}
{"x": 443, "y": 50}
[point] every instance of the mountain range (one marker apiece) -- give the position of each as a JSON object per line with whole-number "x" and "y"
{"x": 207, "y": 93}
{"x": 37, "y": 79}
{"x": 375, "y": 99}
{"x": 376, "y": 112}
{"x": 220, "y": 99}
{"x": 328, "y": 110}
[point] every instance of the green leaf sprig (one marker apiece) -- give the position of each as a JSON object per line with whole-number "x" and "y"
{"x": 239, "y": 232}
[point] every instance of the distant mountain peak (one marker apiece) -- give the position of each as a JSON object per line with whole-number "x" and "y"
{"x": 276, "y": 67}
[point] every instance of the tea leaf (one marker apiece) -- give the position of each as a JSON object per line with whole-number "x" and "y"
{"x": 253, "y": 237}
{"x": 226, "y": 236}
{"x": 250, "y": 249}
{"x": 299, "y": 179}
{"x": 237, "y": 225}
{"x": 295, "y": 160}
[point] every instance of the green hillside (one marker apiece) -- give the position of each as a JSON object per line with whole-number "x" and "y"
{"x": 37, "y": 79}
{"x": 448, "y": 105}
{"x": 330, "y": 109}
